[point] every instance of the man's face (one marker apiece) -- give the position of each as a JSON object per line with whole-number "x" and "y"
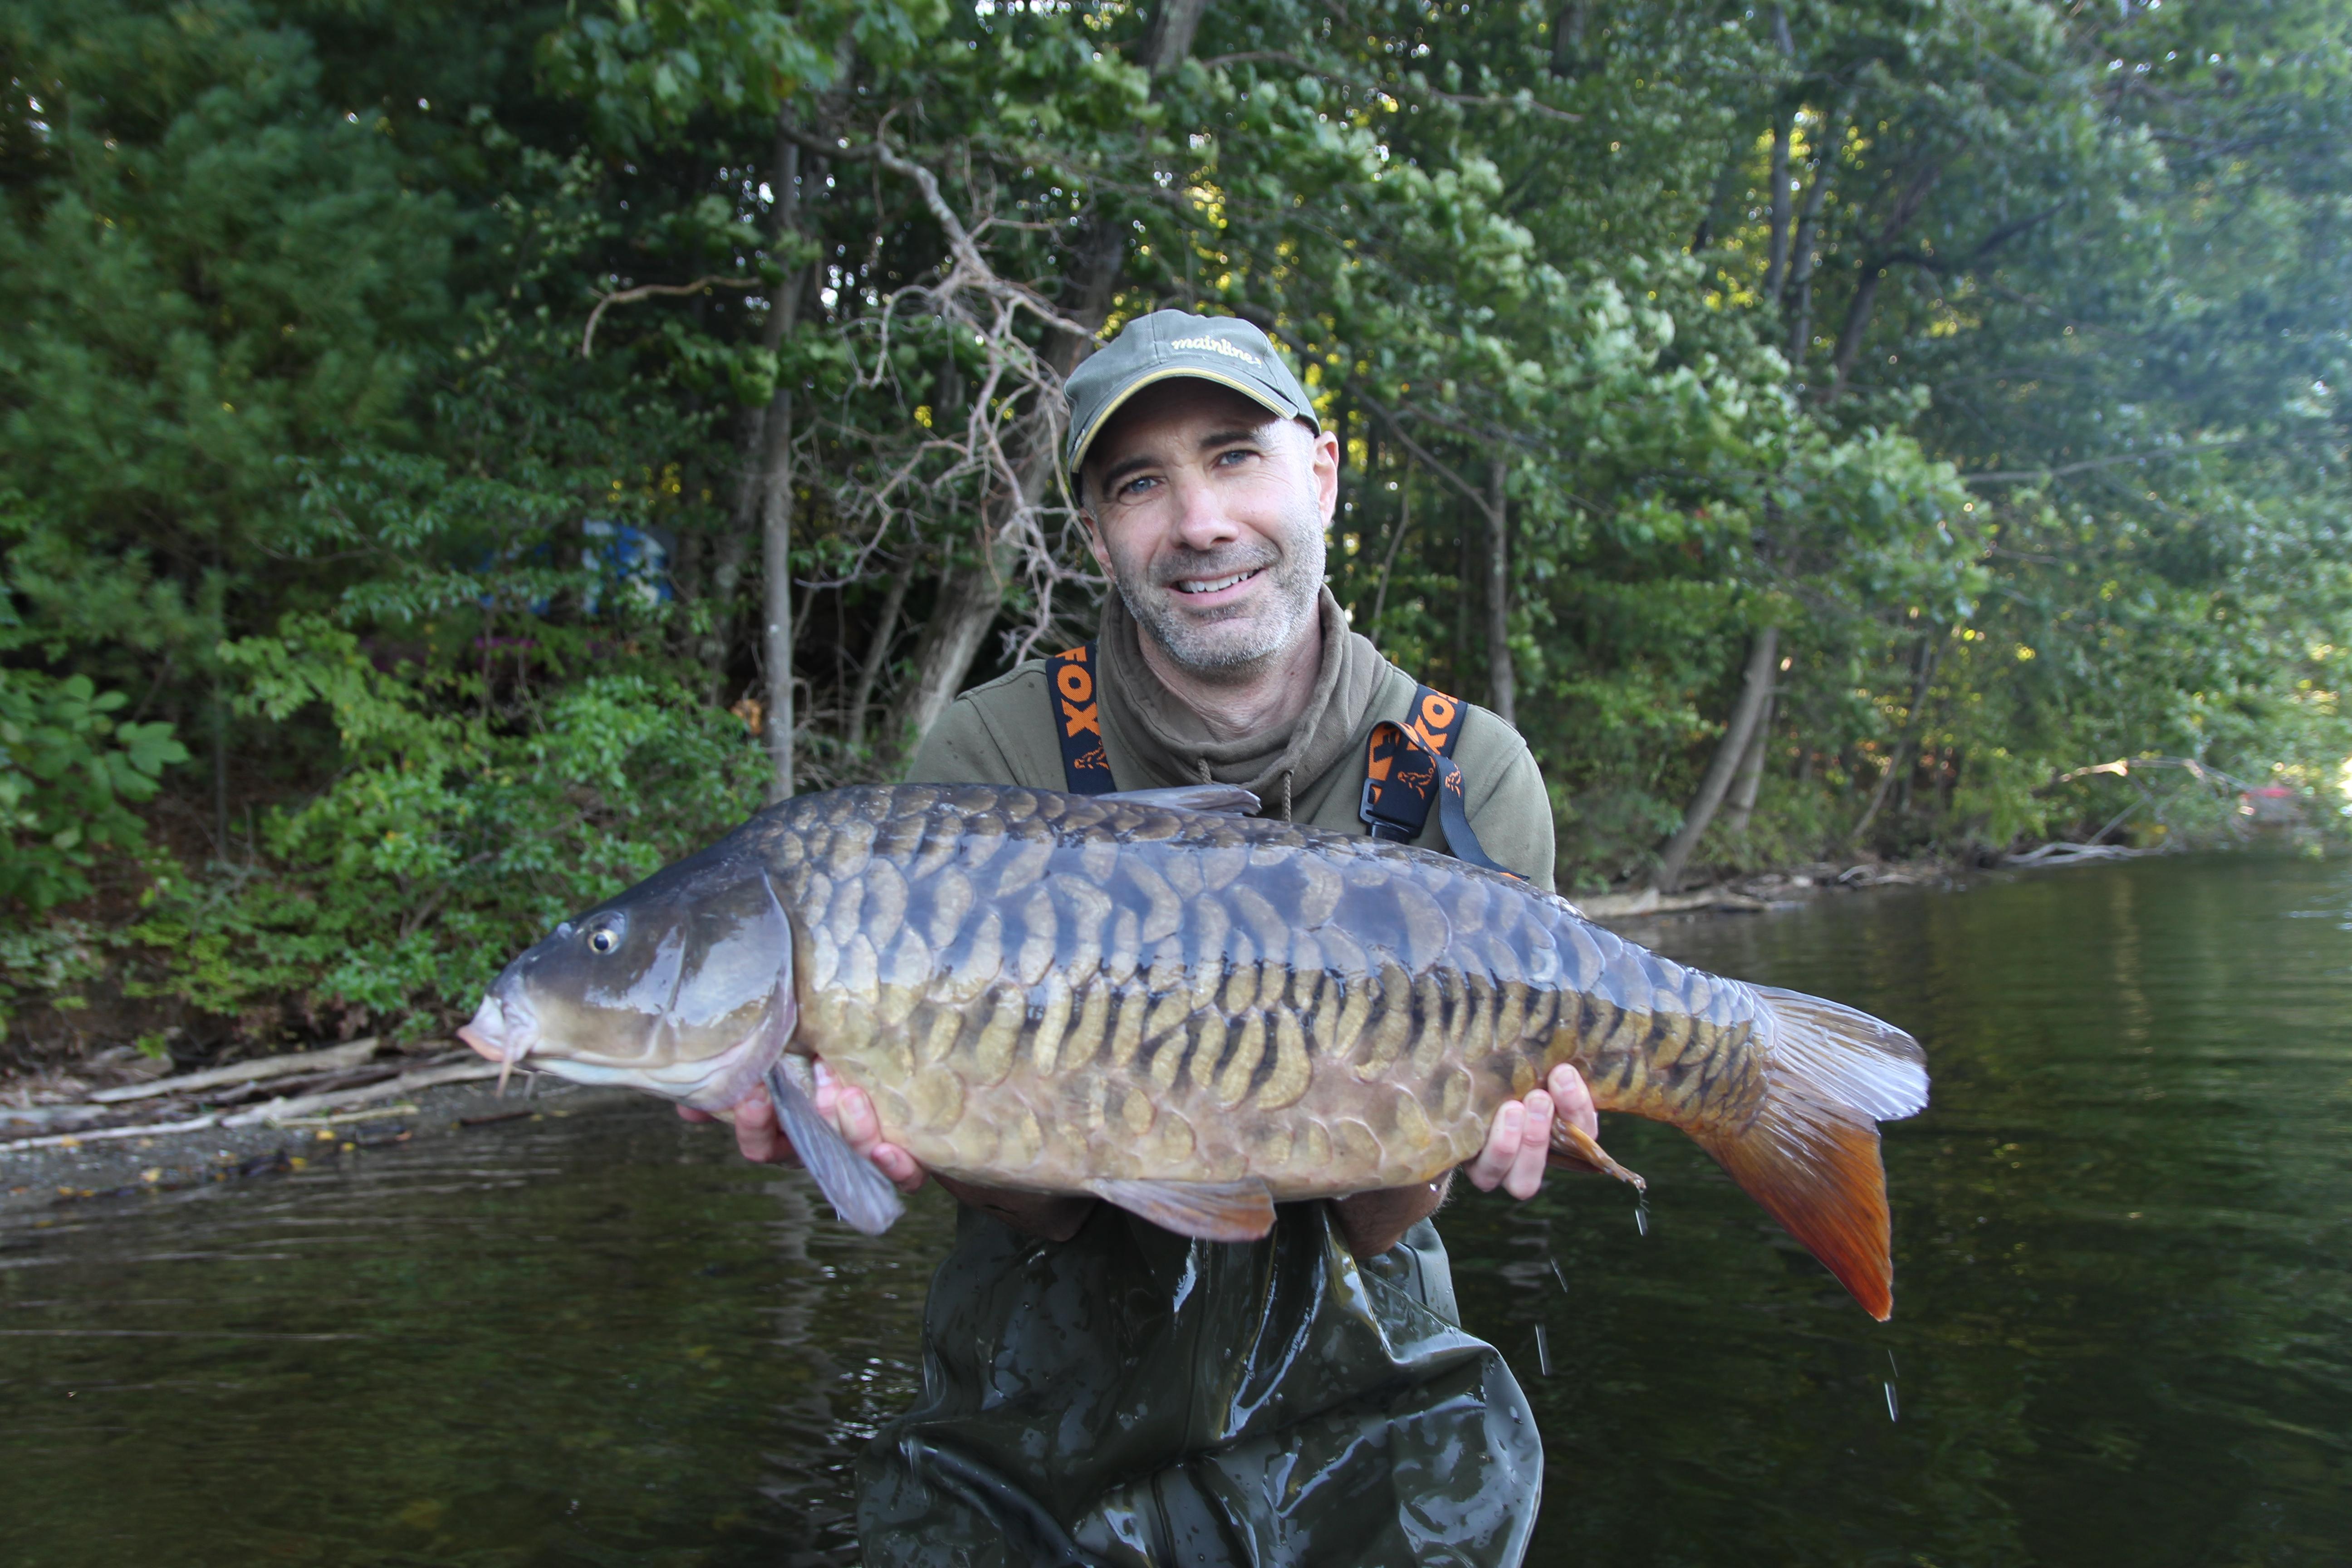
{"x": 1208, "y": 512}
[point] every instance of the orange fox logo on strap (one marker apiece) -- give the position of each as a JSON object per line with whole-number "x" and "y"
{"x": 1410, "y": 767}
{"x": 1077, "y": 720}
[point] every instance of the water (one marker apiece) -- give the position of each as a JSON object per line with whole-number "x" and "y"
{"x": 2123, "y": 1328}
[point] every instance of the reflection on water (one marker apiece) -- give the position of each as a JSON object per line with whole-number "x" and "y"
{"x": 2123, "y": 1326}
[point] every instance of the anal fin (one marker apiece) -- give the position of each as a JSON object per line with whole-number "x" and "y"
{"x": 1211, "y": 1211}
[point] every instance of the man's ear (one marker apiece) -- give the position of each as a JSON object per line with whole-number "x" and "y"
{"x": 1325, "y": 462}
{"x": 1095, "y": 538}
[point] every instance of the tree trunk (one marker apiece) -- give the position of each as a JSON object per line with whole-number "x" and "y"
{"x": 1568, "y": 38}
{"x": 1754, "y": 691}
{"x": 1857, "y": 323}
{"x": 1502, "y": 679}
{"x": 1750, "y": 777}
{"x": 1173, "y": 23}
{"x": 1775, "y": 266}
{"x": 776, "y": 488}
{"x": 1802, "y": 255}
{"x": 776, "y": 566}
{"x": 970, "y": 597}
{"x": 1899, "y": 764}
{"x": 877, "y": 657}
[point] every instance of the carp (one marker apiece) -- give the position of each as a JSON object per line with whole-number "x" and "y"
{"x": 1186, "y": 1011}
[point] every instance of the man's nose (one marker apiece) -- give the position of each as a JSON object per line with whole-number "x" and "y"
{"x": 1203, "y": 521}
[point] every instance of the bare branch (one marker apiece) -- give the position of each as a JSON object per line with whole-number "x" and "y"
{"x": 647, "y": 292}
{"x": 1478, "y": 495}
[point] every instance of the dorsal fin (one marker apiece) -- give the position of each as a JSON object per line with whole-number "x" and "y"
{"x": 1224, "y": 800}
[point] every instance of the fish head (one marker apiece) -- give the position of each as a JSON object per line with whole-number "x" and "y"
{"x": 682, "y": 986}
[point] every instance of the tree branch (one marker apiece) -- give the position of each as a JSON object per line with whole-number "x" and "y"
{"x": 647, "y": 292}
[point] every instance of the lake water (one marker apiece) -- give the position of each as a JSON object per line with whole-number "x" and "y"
{"x": 2122, "y": 1330}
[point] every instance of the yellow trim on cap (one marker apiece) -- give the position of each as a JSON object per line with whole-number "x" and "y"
{"x": 1078, "y": 448}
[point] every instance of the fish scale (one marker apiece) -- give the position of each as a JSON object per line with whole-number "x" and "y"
{"x": 1188, "y": 1012}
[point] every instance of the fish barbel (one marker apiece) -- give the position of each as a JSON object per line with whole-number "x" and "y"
{"x": 1187, "y": 1012}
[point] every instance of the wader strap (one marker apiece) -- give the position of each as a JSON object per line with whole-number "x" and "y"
{"x": 1407, "y": 767}
{"x": 1077, "y": 720}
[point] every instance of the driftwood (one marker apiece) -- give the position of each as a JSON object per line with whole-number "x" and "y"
{"x": 101, "y": 1134}
{"x": 2062, "y": 854}
{"x": 406, "y": 1083}
{"x": 333, "y": 1059}
{"x": 329, "y": 1074}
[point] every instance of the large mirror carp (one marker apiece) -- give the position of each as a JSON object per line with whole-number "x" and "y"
{"x": 1185, "y": 1011}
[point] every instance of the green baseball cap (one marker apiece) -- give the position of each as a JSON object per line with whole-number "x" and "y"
{"x": 1167, "y": 345}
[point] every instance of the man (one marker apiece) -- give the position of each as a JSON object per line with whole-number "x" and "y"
{"x": 1100, "y": 1391}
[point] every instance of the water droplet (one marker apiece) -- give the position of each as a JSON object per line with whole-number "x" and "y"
{"x": 1642, "y": 1214}
{"x": 1543, "y": 1355}
{"x": 1559, "y": 1276}
{"x": 1894, "y": 1412}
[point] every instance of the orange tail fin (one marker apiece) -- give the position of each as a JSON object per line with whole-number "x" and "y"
{"x": 1811, "y": 1156}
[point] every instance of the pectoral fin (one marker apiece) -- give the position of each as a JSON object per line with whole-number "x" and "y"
{"x": 1211, "y": 1211}
{"x": 861, "y": 1194}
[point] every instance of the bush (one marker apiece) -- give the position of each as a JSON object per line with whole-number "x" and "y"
{"x": 449, "y": 838}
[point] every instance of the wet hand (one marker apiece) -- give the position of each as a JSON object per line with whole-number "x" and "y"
{"x": 1519, "y": 1144}
{"x": 851, "y": 1111}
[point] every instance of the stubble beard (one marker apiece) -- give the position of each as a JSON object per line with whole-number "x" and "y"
{"x": 1210, "y": 645}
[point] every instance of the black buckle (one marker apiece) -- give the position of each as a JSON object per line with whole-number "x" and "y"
{"x": 1369, "y": 810}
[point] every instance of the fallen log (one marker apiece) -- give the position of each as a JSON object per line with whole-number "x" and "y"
{"x": 280, "y": 1111}
{"x": 331, "y": 1060}
{"x": 102, "y": 1134}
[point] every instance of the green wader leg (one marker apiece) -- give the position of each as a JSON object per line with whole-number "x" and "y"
{"x": 1130, "y": 1397}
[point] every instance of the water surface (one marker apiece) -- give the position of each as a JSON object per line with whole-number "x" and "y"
{"x": 2123, "y": 1326}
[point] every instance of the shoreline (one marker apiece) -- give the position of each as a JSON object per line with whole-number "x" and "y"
{"x": 175, "y": 1159}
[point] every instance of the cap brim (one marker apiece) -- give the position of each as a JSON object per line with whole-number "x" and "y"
{"x": 1256, "y": 395}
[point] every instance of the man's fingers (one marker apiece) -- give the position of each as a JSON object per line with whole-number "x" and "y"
{"x": 756, "y": 1132}
{"x": 1525, "y": 1174}
{"x": 1573, "y": 1099}
{"x": 852, "y": 1114}
{"x": 860, "y": 1126}
{"x": 1494, "y": 1160}
{"x": 687, "y": 1113}
{"x": 894, "y": 1162}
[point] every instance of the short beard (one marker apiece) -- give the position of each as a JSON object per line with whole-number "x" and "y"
{"x": 1295, "y": 577}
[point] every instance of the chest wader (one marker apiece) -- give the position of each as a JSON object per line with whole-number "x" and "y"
{"x": 1132, "y": 1397}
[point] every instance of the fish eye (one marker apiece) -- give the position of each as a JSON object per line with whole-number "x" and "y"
{"x": 604, "y": 938}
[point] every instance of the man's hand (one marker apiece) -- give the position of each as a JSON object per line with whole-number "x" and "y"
{"x": 850, "y": 1111}
{"x": 1519, "y": 1142}
{"x": 1517, "y": 1146}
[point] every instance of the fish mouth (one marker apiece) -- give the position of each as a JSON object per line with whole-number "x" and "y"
{"x": 506, "y": 1030}
{"x": 503, "y": 1034}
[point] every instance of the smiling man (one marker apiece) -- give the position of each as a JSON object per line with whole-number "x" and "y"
{"x": 1097, "y": 1389}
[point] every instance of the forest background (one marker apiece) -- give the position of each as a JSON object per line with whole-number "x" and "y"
{"x": 456, "y": 457}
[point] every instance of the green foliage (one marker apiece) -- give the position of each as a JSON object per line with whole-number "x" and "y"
{"x": 69, "y": 772}
{"x": 2016, "y": 416}
{"x": 443, "y": 842}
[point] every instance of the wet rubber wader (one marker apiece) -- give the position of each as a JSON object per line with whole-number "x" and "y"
{"x": 1130, "y": 1397}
